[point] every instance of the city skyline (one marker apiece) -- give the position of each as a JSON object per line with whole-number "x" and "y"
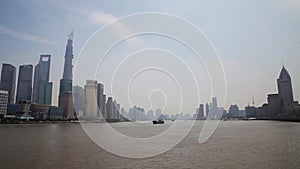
{"x": 252, "y": 56}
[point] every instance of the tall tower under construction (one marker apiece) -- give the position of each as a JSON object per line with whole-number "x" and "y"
{"x": 65, "y": 87}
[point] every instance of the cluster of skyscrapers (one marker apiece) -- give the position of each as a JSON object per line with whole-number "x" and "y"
{"x": 34, "y": 97}
{"x": 73, "y": 101}
{"x": 41, "y": 93}
{"x": 34, "y": 93}
{"x": 91, "y": 103}
{"x": 280, "y": 105}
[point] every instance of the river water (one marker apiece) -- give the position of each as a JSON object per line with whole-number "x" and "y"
{"x": 235, "y": 144}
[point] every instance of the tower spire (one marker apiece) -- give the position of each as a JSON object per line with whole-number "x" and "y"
{"x": 67, "y": 74}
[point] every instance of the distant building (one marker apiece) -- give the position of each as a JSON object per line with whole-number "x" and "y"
{"x": 138, "y": 113}
{"x": 274, "y": 106}
{"x": 116, "y": 111}
{"x": 200, "y": 112}
{"x": 214, "y": 111}
{"x": 3, "y": 102}
{"x": 78, "y": 95}
{"x": 262, "y": 112}
{"x": 150, "y": 115}
{"x": 12, "y": 109}
{"x": 8, "y": 81}
{"x": 101, "y": 101}
{"x": 66, "y": 102}
{"x": 90, "y": 99}
{"x": 284, "y": 84}
{"x": 45, "y": 93}
{"x": 68, "y": 58}
{"x": 24, "y": 106}
{"x": 158, "y": 113}
{"x": 40, "y": 111}
{"x": 109, "y": 108}
{"x": 251, "y": 111}
{"x": 282, "y": 105}
{"x": 42, "y": 88}
{"x": 56, "y": 113}
{"x": 235, "y": 112}
{"x": 24, "y": 87}
{"x": 206, "y": 109}
{"x": 65, "y": 86}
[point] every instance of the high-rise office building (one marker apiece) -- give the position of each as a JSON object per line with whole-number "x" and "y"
{"x": 8, "y": 81}
{"x": 284, "y": 84}
{"x": 109, "y": 109}
{"x": 42, "y": 88}
{"x": 90, "y": 99}
{"x": 68, "y": 58}
{"x": 116, "y": 110}
{"x": 206, "y": 109}
{"x": 78, "y": 95}
{"x": 24, "y": 87}
{"x": 200, "y": 112}
{"x": 214, "y": 103}
{"x": 101, "y": 100}
{"x": 65, "y": 86}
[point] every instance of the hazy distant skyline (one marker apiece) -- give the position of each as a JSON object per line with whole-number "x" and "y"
{"x": 253, "y": 38}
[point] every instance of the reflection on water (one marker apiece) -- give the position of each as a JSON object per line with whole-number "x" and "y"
{"x": 235, "y": 144}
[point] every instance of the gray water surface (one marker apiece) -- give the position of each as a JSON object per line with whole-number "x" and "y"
{"x": 235, "y": 144}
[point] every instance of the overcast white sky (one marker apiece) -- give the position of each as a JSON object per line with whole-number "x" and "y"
{"x": 253, "y": 38}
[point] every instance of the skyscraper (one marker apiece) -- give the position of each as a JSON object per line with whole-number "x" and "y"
{"x": 90, "y": 99}
{"x": 284, "y": 84}
{"x": 78, "y": 95}
{"x": 200, "y": 112}
{"x": 66, "y": 101}
{"x": 101, "y": 100}
{"x": 24, "y": 87}
{"x": 8, "y": 80}
{"x": 68, "y": 58}
{"x": 65, "y": 86}
{"x": 42, "y": 88}
{"x": 109, "y": 109}
{"x": 206, "y": 109}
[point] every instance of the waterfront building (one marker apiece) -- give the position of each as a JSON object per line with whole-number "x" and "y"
{"x": 78, "y": 96}
{"x": 137, "y": 113}
{"x": 206, "y": 109}
{"x": 109, "y": 109}
{"x": 251, "y": 111}
{"x": 90, "y": 99}
{"x": 39, "y": 111}
{"x": 56, "y": 113}
{"x": 65, "y": 86}
{"x": 8, "y": 81}
{"x": 150, "y": 115}
{"x": 66, "y": 102}
{"x": 3, "y": 102}
{"x": 42, "y": 88}
{"x": 101, "y": 101}
{"x": 274, "y": 106}
{"x": 284, "y": 85}
{"x": 24, "y": 87}
{"x": 200, "y": 112}
{"x": 116, "y": 111}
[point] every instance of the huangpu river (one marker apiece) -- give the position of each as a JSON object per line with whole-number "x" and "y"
{"x": 234, "y": 144}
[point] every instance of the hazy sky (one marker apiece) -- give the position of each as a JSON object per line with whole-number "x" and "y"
{"x": 253, "y": 40}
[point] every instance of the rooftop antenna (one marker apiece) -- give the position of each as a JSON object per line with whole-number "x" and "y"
{"x": 253, "y": 101}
